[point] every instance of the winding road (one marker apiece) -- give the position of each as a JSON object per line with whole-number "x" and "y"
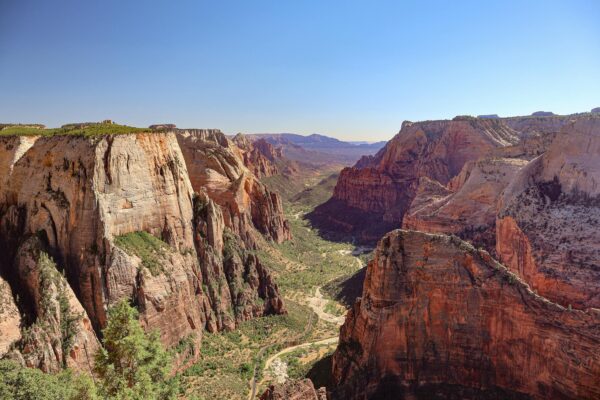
{"x": 317, "y": 303}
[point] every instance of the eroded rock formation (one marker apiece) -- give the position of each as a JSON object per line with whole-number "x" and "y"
{"x": 468, "y": 205}
{"x": 259, "y": 156}
{"x": 372, "y": 197}
{"x": 59, "y": 332}
{"x": 440, "y": 319}
{"x": 547, "y": 229}
{"x": 216, "y": 165}
{"x": 93, "y": 203}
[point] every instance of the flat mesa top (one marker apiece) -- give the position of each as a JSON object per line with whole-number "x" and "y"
{"x": 86, "y": 130}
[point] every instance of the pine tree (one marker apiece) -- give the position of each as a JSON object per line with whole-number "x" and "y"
{"x": 132, "y": 365}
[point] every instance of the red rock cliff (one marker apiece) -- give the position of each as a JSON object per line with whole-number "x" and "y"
{"x": 439, "y": 319}
{"x": 260, "y": 156}
{"x": 372, "y": 197}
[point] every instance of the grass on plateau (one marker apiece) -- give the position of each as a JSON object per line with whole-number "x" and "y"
{"x": 73, "y": 130}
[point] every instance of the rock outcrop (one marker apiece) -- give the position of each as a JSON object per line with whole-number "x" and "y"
{"x": 259, "y": 156}
{"x": 294, "y": 390}
{"x": 440, "y": 319}
{"x": 238, "y": 286}
{"x": 547, "y": 228}
{"x": 542, "y": 114}
{"x": 10, "y": 318}
{"x": 216, "y": 165}
{"x": 467, "y": 207}
{"x": 59, "y": 332}
{"x": 118, "y": 216}
{"x": 372, "y": 197}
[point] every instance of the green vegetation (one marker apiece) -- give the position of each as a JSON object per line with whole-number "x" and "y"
{"x": 231, "y": 244}
{"x": 227, "y": 358}
{"x": 21, "y": 383}
{"x": 317, "y": 194}
{"x": 301, "y": 363}
{"x": 292, "y": 188}
{"x": 147, "y": 247}
{"x": 132, "y": 364}
{"x": 86, "y": 130}
{"x": 308, "y": 260}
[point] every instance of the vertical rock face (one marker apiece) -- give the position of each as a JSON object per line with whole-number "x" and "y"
{"x": 237, "y": 285}
{"x": 60, "y": 333}
{"x": 11, "y": 150}
{"x": 10, "y": 318}
{"x": 372, "y": 197}
{"x": 259, "y": 156}
{"x": 547, "y": 228}
{"x": 439, "y": 319}
{"x": 89, "y": 201}
{"x": 216, "y": 165}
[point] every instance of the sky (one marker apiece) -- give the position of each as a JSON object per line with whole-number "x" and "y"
{"x": 348, "y": 69}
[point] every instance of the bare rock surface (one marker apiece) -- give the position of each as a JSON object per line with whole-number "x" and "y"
{"x": 216, "y": 165}
{"x": 372, "y": 197}
{"x": 468, "y": 208}
{"x": 58, "y": 330}
{"x": 10, "y": 318}
{"x": 260, "y": 156}
{"x": 439, "y": 319}
{"x": 547, "y": 228}
{"x": 82, "y": 196}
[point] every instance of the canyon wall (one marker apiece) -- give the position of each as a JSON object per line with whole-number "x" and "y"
{"x": 95, "y": 205}
{"x": 216, "y": 165}
{"x": 440, "y": 319}
{"x": 259, "y": 156}
{"x": 547, "y": 227}
{"x": 372, "y": 197}
{"x": 468, "y": 205}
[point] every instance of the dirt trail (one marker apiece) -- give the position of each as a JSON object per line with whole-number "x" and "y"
{"x": 317, "y": 303}
{"x": 331, "y": 340}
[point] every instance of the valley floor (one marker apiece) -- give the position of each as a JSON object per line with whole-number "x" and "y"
{"x": 242, "y": 363}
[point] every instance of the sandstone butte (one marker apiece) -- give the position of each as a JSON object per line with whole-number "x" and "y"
{"x": 65, "y": 201}
{"x": 439, "y": 318}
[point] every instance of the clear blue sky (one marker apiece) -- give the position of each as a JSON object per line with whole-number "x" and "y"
{"x": 349, "y": 69}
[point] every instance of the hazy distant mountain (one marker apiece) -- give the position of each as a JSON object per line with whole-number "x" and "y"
{"x": 319, "y": 149}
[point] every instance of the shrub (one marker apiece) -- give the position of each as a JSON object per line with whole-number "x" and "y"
{"x": 20, "y": 383}
{"x": 132, "y": 364}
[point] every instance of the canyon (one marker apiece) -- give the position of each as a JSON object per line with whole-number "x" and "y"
{"x": 483, "y": 284}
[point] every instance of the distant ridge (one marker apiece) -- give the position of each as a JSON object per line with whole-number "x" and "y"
{"x": 319, "y": 149}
